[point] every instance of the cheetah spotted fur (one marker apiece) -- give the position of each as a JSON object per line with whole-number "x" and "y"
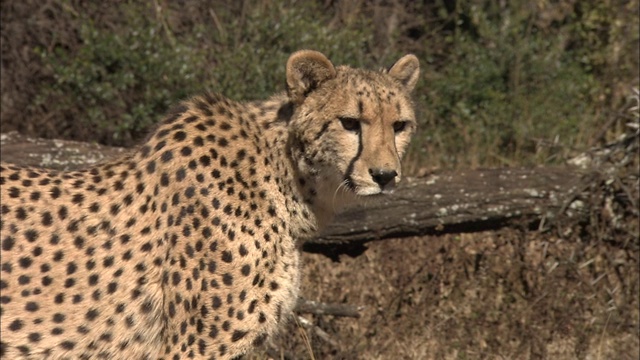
{"x": 186, "y": 247}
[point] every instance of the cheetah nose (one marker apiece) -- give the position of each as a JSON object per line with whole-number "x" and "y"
{"x": 382, "y": 177}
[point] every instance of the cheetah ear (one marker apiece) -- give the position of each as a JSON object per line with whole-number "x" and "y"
{"x": 306, "y": 70}
{"x": 406, "y": 71}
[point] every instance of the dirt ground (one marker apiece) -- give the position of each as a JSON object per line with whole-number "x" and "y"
{"x": 508, "y": 294}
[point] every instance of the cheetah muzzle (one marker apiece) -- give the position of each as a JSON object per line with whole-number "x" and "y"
{"x": 186, "y": 247}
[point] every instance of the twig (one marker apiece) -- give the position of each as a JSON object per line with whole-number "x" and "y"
{"x": 630, "y": 197}
{"x": 301, "y": 322}
{"x": 165, "y": 25}
{"x": 319, "y": 332}
{"x": 318, "y": 308}
{"x": 217, "y": 23}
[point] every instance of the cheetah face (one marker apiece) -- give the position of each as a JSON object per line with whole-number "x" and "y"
{"x": 351, "y": 126}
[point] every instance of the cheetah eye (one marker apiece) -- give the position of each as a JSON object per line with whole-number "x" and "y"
{"x": 350, "y": 124}
{"x": 399, "y": 126}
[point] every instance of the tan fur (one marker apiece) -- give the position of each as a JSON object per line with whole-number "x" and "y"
{"x": 187, "y": 246}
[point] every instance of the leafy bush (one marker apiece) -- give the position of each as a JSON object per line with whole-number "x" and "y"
{"x": 263, "y": 41}
{"x": 121, "y": 82}
{"x": 504, "y": 83}
{"x": 506, "y": 94}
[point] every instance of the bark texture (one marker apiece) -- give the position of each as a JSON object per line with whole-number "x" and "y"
{"x": 443, "y": 202}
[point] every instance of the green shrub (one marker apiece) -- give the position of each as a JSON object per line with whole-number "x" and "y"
{"x": 507, "y": 93}
{"x": 500, "y": 86}
{"x": 255, "y": 48}
{"x": 121, "y": 82}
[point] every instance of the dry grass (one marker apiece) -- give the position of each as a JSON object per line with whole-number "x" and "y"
{"x": 493, "y": 295}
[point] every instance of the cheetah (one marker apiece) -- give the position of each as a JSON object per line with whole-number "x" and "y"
{"x": 186, "y": 246}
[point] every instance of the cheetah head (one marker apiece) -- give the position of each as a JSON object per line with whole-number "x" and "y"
{"x": 350, "y": 127}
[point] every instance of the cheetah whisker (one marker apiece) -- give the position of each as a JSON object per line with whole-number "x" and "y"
{"x": 342, "y": 186}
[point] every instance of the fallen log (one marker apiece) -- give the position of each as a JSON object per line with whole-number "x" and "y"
{"x": 454, "y": 202}
{"x": 443, "y": 202}
{"x": 54, "y": 154}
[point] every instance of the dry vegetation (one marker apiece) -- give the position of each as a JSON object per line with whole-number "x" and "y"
{"x": 508, "y": 294}
{"x": 505, "y": 84}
